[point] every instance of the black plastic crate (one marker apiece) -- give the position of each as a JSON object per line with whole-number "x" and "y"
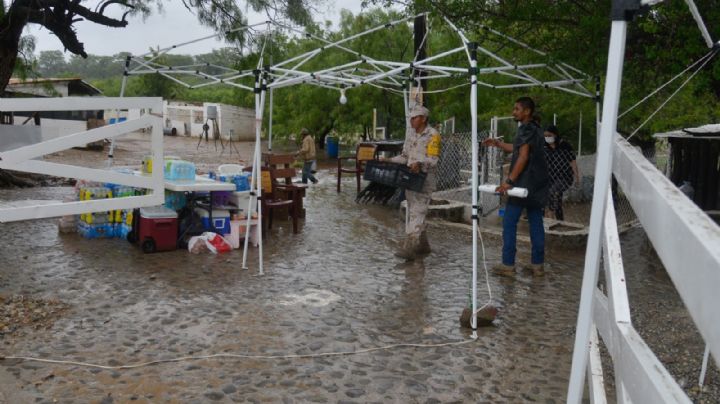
{"x": 394, "y": 175}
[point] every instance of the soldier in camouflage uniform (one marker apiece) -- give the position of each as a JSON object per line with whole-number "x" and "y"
{"x": 420, "y": 152}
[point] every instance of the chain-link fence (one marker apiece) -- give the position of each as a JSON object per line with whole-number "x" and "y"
{"x": 571, "y": 184}
{"x": 455, "y": 170}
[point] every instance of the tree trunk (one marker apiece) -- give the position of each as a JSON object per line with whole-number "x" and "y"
{"x": 8, "y": 56}
{"x": 11, "y": 29}
{"x": 7, "y": 63}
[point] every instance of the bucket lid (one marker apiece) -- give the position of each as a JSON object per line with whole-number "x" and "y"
{"x": 157, "y": 212}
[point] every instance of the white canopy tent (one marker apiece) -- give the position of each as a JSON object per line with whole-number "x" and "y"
{"x": 396, "y": 76}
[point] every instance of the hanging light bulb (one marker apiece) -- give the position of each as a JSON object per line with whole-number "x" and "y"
{"x": 343, "y": 98}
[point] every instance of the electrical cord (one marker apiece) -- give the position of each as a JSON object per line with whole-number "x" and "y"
{"x": 233, "y": 356}
{"x": 487, "y": 275}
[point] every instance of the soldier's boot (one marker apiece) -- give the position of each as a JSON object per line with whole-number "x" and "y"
{"x": 507, "y": 271}
{"x": 423, "y": 244}
{"x": 538, "y": 270}
{"x": 408, "y": 248}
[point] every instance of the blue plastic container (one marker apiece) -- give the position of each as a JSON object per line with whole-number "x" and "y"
{"x": 221, "y": 220}
{"x": 241, "y": 182}
{"x": 332, "y": 147}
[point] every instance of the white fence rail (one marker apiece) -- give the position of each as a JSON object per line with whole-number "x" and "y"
{"x": 687, "y": 242}
{"x": 22, "y": 158}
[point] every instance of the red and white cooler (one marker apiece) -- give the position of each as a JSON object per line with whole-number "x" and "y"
{"x": 158, "y": 229}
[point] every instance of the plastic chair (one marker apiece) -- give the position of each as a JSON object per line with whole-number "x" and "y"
{"x": 230, "y": 169}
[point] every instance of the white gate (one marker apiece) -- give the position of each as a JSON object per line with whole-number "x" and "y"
{"x": 686, "y": 240}
{"x": 24, "y": 158}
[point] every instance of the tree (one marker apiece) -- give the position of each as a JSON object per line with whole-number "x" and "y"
{"x": 59, "y": 17}
{"x": 578, "y": 32}
{"x": 51, "y": 63}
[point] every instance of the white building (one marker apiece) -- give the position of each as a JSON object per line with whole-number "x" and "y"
{"x": 188, "y": 119}
{"x": 32, "y": 126}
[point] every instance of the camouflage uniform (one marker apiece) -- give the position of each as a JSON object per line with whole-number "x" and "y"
{"x": 423, "y": 148}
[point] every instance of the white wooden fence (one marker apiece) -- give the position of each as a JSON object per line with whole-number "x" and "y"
{"x": 688, "y": 244}
{"x": 26, "y": 158}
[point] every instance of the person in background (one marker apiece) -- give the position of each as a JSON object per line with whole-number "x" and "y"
{"x": 420, "y": 152}
{"x": 528, "y": 169}
{"x": 307, "y": 154}
{"x": 562, "y": 168}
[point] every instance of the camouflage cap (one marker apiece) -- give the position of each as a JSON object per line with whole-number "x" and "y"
{"x": 419, "y": 110}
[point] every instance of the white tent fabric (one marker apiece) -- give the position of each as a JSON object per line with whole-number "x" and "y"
{"x": 395, "y": 76}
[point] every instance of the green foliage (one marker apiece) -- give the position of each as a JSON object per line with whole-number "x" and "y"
{"x": 570, "y": 31}
{"x": 25, "y": 64}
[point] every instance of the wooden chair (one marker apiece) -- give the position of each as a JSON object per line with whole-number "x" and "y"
{"x": 280, "y": 161}
{"x": 271, "y": 199}
{"x": 363, "y": 153}
{"x": 283, "y": 172}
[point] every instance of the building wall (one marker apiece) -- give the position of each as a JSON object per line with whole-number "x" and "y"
{"x": 188, "y": 119}
{"x": 59, "y": 89}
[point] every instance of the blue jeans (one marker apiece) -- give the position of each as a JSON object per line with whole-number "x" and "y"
{"x": 307, "y": 172}
{"x": 537, "y": 233}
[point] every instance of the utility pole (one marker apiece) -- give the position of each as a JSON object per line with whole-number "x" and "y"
{"x": 420, "y": 32}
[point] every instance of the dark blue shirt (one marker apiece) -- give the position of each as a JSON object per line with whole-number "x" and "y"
{"x": 535, "y": 175}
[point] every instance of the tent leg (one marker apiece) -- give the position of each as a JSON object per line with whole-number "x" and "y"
{"x": 603, "y": 171}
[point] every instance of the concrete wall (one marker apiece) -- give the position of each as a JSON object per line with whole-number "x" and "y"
{"x": 189, "y": 119}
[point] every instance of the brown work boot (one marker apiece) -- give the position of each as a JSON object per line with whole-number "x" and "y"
{"x": 424, "y": 245}
{"x": 408, "y": 249}
{"x": 507, "y": 271}
{"x": 538, "y": 270}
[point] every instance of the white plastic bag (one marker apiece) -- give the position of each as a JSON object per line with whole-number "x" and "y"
{"x": 209, "y": 241}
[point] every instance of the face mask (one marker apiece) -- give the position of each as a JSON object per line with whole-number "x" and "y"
{"x": 550, "y": 139}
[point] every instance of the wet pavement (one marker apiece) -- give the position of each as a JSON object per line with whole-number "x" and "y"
{"x": 335, "y": 287}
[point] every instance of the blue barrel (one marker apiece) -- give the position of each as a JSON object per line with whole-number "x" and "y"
{"x": 332, "y": 147}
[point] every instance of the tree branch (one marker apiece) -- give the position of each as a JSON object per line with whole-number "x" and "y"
{"x": 109, "y": 2}
{"x": 97, "y": 18}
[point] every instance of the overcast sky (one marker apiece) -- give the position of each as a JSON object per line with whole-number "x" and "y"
{"x": 175, "y": 25}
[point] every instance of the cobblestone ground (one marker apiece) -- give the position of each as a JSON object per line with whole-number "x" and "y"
{"x": 333, "y": 287}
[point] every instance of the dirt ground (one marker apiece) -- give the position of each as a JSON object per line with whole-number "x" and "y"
{"x": 334, "y": 287}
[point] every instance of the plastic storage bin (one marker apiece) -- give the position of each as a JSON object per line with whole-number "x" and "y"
{"x": 238, "y": 233}
{"x": 221, "y": 198}
{"x": 240, "y": 199}
{"x": 394, "y": 175}
{"x": 158, "y": 229}
{"x": 220, "y": 220}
